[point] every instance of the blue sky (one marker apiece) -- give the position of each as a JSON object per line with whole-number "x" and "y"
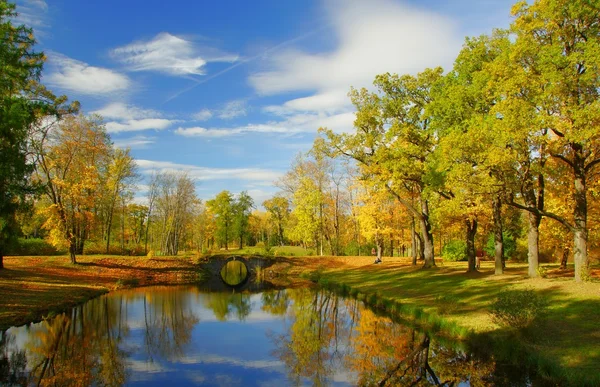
{"x": 231, "y": 91}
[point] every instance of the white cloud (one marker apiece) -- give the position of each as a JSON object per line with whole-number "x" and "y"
{"x": 206, "y": 173}
{"x": 331, "y": 101}
{"x": 137, "y": 125}
{"x": 73, "y": 75}
{"x": 373, "y": 37}
{"x": 129, "y": 118}
{"x": 168, "y": 54}
{"x": 233, "y": 109}
{"x": 202, "y": 115}
{"x": 136, "y": 142}
{"x": 298, "y": 123}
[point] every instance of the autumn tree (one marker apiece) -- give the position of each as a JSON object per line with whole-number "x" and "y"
{"x": 557, "y": 48}
{"x": 121, "y": 175}
{"x": 278, "y": 209}
{"x": 70, "y": 155}
{"x": 176, "y": 195}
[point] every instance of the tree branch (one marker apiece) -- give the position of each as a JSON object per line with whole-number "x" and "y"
{"x": 540, "y": 212}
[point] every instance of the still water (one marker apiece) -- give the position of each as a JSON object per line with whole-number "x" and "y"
{"x": 186, "y": 336}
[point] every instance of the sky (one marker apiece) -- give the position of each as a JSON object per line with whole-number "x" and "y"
{"x": 231, "y": 91}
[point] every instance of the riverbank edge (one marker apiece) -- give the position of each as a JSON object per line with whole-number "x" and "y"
{"x": 82, "y": 295}
{"x": 504, "y": 347}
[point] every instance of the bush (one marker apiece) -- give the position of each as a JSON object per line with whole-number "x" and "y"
{"x": 510, "y": 245}
{"x": 33, "y": 246}
{"x": 518, "y": 308}
{"x": 455, "y": 250}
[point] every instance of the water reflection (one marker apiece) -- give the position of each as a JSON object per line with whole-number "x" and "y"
{"x": 184, "y": 336}
{"x": 234, "y": 273}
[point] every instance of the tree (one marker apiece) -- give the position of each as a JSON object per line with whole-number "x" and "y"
{"x": 20, "y": 65}
{"x": 70, "y": 155}
{"x": 242, "y": 206}
{"x": 174, "y": 204}
{"x": 394, "y": 141}
{"x": 278, "y": 208}
{"x": 222, "y": 207}
{"x": 557, "y": 48}
{"x": 121, "y": 175}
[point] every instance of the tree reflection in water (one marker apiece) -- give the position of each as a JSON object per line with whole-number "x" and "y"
{"x": 329, "y": 334}
{"x": 321, "y": 338}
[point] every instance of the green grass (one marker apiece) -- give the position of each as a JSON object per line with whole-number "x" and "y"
{"x": 566, "y": 345}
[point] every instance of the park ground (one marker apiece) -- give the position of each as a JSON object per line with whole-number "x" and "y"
{"x": 35, "y": 287}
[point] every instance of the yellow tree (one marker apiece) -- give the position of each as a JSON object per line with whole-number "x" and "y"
{"x": 70, "y": 155}
{"x": 374, "y": 214}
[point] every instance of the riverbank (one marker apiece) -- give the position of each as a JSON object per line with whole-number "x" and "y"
{"x": 35, "y": 287}
{"x": 565, "y": 345}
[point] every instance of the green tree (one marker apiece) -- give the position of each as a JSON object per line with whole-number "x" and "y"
{"x": 278, "y": 208}
{"x": 242, "y": 207}
{"x": 222, "y": 207}
{"x": 394, "y": 141}
{"x": 19, "y": 66}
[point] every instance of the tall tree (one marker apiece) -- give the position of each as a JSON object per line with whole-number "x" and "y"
{"x": 278, "y": 208}
{"x": 242, "y": 207}
{"x": 557, "y": 46}
{"x": 70, "y": 155}
{"x": 20, "y": 65}
{"x": 121, "y": 175}
{"x": 394, "y": 141}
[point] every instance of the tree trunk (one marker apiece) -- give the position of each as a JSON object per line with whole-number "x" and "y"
{"x": 413, "y": 242}
{"x": 72, "y": 249}
{"x": 498, "y": 238}
{"x": 1, "y": 261}
{"x": 427, "y": 236}
{"x": 533, "y": 236}
{"x": 565, "y": 258}
{"x": 471, "y": 232}
{"x": 580, "y": 232}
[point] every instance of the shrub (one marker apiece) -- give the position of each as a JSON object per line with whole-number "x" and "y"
{"x": 518, "y": 308}
{"x": 33, "y": 246}
{"x": 510, "y": 245}
{"x": 455, "y": 250}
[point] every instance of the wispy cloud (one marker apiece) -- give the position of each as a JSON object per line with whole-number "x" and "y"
{"x": 79, "y": 77}
{"x": 167, "y": 54}
{"x": 129, "y": 118}
{"x": 33, "y": 13}
{"x": 299, "y": 123}
{"x": 233, "y": 109}
{"x": 206, "y": 173}
{"x": 202, "y": 115}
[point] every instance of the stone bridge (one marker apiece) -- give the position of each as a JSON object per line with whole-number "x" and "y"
{"x": 256, "y": 266}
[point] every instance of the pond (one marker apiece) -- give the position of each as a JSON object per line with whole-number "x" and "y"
{"x": 188, "y": 336}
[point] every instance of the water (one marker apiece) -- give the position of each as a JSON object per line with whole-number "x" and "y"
{"x": 186, "y": 336}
